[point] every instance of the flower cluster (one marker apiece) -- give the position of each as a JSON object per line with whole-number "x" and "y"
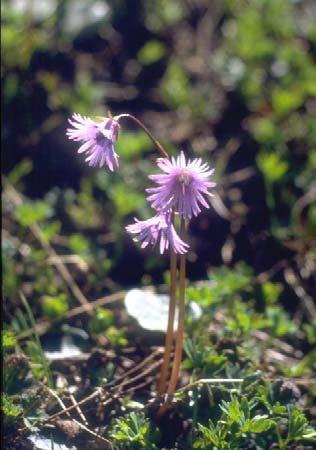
{"x": 97, "y": 140}
{"x": 182, "y": 187}
{"x": 158, "y": 228}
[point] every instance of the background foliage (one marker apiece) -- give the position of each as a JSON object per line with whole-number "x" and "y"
{"x": 231, "y": 81}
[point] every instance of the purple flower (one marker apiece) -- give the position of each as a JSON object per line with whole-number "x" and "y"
{"x": 158, "y": 228}
{"x": 97, "y": 140}
{"x": 182, "y": 187}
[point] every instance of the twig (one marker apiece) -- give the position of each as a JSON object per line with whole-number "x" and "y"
{"x": 135, "y": 368}
{"x": 139, "y": 376}
{"x": 168, "y": 397}
{"x": 17, "y": 200}
{"x": 115, "y": 388}
{"x": 237, "y": 176}
{"x": 210, "y": 381}
{"x": 70, "y": 408}
{"x": 267, "y": 275}
{"x": 302, "y": 381}
{"x": 41, "y": 328}
{"x": 138, "y": 386}
{"x": 82, "y": 426}
{"x": 261, "y": 335}
{"x": 111, "y": 298}
{"x": 219, "y": 206}
{"x": 302, "y": 202}
{"x": 307, "y": 301}
{"x": 47, "y": 126}
{"x": 284, "y": 346}
{"x": 69, "y": 259}
{"x": 79, "y": 411}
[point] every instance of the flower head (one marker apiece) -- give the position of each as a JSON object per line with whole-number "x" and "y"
{"x": 182, "y": 187}
{"x": 97, "y": 140}
{"x": 158, "y": 228}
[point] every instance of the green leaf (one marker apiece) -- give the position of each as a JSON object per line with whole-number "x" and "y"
{"x": 101, "y": 320}
{"x": 224, "y": 284}
{"x": 297, "y": 424}
{"x": 175, "y": 87}
{"x": 20, "y": 171}
{"x": 272, "y": 166}
{"x": 280, "y": 321}
{"x": 55, "y": 307}
{"x": 125, "y": 200}
{"x": 38, "y": 364}
{"x": 232, "y": 410}
{"x": 310, "y": 435}
{"x": 49, "y": 230}
{"x": 271, "y": 291}
{"x": 131, "y": 145}
{"x": 266, "y": 131}
{"x": 151, "y": 52}
{"x": 117, "y": 337}
{"x": 134, "y": 431}
{"x": 8, "y": 340}
{"x": 258, "y": 424}
{"x": 9, "y": 408}
{"x": 303, "y": 367}
{"x": 287, "y": 100}
{"x": 208, "y": 435}
{"x": 79, "y": 244}
{"x": 31, "y": 212}
{"x": 245, "y": 407}
{"x": 278, "y": 409}
{"x": 310, "y": 330}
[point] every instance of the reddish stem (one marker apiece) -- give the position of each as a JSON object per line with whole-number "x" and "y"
{"x": 170, "y": 331}
{"x": 140, "y": 124}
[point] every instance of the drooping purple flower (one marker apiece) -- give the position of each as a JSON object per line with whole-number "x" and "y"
{"x": 158, "y": 229}
{"x": 97, "y": 140}
{"x": 183, "y": 187}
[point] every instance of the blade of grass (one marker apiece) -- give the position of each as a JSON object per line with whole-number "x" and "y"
{"x": 37, "y": 341}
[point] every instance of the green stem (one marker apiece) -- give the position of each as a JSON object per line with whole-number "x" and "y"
{"x": 281, "y": 444}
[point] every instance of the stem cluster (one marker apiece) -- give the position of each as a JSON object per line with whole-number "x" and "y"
{"x": 170, "y": 342}
{"x": 177, "y": 296}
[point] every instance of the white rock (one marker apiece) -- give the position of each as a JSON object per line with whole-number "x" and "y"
{"x": 42, "y": 443}
{"x": 151, "y": 309}
{"x": 68, "y": 349}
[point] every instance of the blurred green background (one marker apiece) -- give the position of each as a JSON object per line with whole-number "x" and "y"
{"x": 231, "y": 81}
